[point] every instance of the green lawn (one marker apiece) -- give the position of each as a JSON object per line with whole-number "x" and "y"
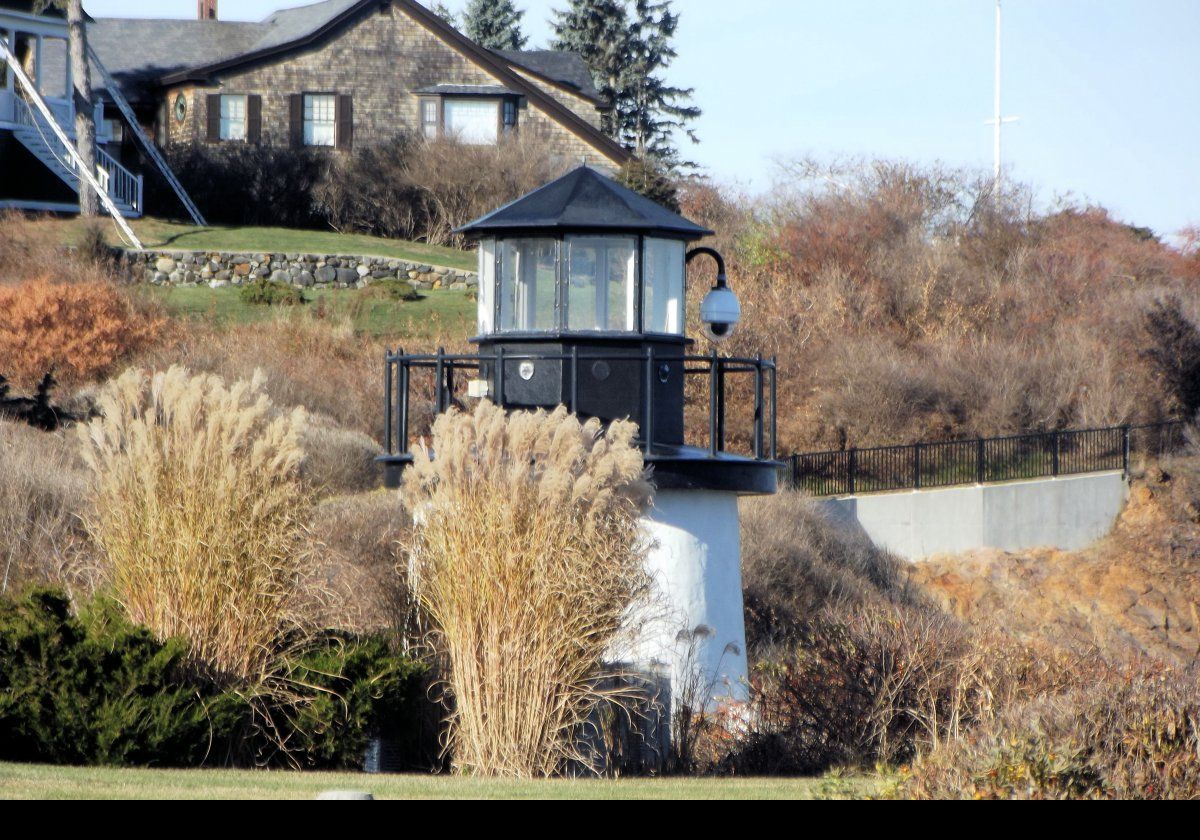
{"x": 438, "y": 312}
{"x": 158, "y": 233}
{"x": 30, "y": 781}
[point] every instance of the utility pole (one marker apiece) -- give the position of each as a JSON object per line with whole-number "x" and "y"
{"x": 997, "y": 120}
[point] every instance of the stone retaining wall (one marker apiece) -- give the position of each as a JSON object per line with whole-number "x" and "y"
{"x": 331, "y": 271}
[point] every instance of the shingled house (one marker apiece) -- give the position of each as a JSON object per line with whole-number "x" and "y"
{"x": 336, "y": 74}
{"x": 343, "y": 72}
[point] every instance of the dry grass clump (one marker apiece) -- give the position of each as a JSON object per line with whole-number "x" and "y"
{"x": 78, "y": 329}
{"x": 526, "y": 555}
{"x": 43, "y": 489}
{"x": 199, "y": 513}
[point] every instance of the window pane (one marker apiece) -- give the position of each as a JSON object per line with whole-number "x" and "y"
{"x": 474, "y": 121}
{"x": 487, "y": 285}
{"x": 527, "y": 284}
{"x": 662, "y": 302}
{"x": 601, "y": 282}
{"x": 320, "y": 126}
{"x": 233, "y": 118}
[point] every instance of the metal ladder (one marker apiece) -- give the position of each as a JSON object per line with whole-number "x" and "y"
{"x": 122, "y": 104}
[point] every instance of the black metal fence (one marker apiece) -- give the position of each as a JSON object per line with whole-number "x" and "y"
{"x": 946, "y": 464}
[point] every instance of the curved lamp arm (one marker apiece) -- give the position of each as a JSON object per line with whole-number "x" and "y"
{"x": 722, "y": 282}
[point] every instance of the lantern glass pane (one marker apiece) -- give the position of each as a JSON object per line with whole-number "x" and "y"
{"x": 527, "y": 285}
{"x": 601, "y": 283}
{"x": 662, "y": 293}
{"x": 487, "y": 286}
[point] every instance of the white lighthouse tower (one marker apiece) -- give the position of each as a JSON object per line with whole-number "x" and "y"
{"x": 581, "y": 303}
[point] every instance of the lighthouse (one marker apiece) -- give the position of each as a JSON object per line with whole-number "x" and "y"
{"x": 582, "y": 291}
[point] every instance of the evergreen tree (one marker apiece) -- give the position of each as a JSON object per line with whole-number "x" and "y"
{"x": 653, "y": 111}
{"x": 627, "y": 46}
{"x": 442, "y": 11}
{"x": 495, "y": 24}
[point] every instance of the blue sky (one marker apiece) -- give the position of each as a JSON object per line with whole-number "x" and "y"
{"x": 1108, "y": 91}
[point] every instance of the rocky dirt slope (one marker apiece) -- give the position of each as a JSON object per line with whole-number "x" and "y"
{"x": 1135, "y": 594}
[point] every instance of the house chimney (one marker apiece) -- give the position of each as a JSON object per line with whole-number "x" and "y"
{"x": 206, "y": 9}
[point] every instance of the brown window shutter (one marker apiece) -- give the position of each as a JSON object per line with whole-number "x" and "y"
{"x": 253, "y": 119}
{"x": 345, "y": 121}
{"x": 296, "y": 119}
{"x": 214, "y": 117}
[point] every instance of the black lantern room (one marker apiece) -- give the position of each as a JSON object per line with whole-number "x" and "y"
{"x": 582, "y": 303}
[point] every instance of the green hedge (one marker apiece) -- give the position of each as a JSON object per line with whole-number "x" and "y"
{"x": 96, "y": 689}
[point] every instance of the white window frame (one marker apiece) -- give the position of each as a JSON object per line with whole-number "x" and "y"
{"x": 233, "y": 126}
{"x": 320, "y": 119}
{"x": 492, "y": 104}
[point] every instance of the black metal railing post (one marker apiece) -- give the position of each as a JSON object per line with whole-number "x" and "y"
{"x": 774, "y": 408}
{"x": 402, "y": 418}
{"x": 1125, "y": 450}
{"x": 720, "y": 405}
{"x": 440, "y": 378}
{"x": 648, "y": 411}
{"x": 758, "y": 408}
{"x": 574, "y": 392}
{"x": 980, "y": 461}
{"x": 499, "y": 376}
{"x": 852, "y": 470}
{"x": 917, "y": 466}
{"x": 712, "y": 404}
{"x": 1054, "y": 460}
{"x": 388, "y": 373}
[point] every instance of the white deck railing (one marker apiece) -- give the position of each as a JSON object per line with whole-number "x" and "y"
{"x": 123, "y": 186}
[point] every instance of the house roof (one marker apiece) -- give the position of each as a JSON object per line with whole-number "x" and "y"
{"x": 565, "y": 68}
{"x": 146, "y": 52}
{"x": 583, "y": 199}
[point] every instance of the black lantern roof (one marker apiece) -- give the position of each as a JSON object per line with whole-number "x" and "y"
{"x": 584, "y": 200}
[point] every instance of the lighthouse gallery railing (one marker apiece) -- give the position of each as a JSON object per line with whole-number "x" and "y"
{"x": 446, "y": 368}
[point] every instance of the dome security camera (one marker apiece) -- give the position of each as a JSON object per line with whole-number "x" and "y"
{"x": 720, "y": 311}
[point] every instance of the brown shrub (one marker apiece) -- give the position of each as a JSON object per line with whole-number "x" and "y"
{"x": 338, "y": 460}
{"x": 1133, "y": 736}
{"x": 42, "y": 494}
{"x": 417, "y": 189}
{"x": 79, "y": 329}
{"x": 307, "y": 361}
{"x": 796, "y": 562}
{"x": 909, "y": 303}
{"x": 32, "y": 248}
{"x": 355, "y": 555}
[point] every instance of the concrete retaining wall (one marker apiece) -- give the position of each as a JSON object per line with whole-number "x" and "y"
{"x": 1068, "y": 513}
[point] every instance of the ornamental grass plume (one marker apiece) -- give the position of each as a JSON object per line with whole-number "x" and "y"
{"x": 527, "y": 557}
{"x": 199, "y": 515}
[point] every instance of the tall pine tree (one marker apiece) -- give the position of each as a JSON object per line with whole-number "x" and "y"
{"x": 441, "y": 10}
{"x": 627, "y": 46}
{"x": 654, "y": 112}
{"x": 495, "y": 24}
{"x": 598, "y": 30}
